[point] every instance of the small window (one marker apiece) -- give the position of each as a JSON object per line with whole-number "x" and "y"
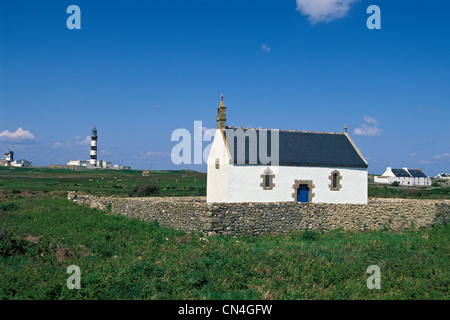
{"x": 217, "y": 164}
{"x": 335, "y": 179}
{"x": 267, "y": 180}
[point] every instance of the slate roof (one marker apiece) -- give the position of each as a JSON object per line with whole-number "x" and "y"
{"x": 417, "y": 173}
{"x": 414, "y": 173}
{"x": 401, "y": 173}
{"x": 305, "y": 148}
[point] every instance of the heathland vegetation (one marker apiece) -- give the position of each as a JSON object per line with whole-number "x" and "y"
{"x": 42, "y": 233}
{"x": 122, "y": 183}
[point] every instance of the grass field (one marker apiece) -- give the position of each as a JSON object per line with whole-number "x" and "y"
{"x": 122, "y": 258}
{"x": 170, "y": 183}
{"x": 387, "y": 191}
{"x": 42, "y": 233}
{"x": 101, "y": 182}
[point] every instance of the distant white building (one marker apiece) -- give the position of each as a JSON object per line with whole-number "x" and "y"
{"x": 104, "y": 164}
{"x": 21, "y": 163}
{"x": 9, "y": 161}
{"x": 404, "y": 176}
{"x": 78, "y": 163}
{"x": 445, "y": 176}
{"x": 120, "y": 167}
{"x": 88, "y": 164}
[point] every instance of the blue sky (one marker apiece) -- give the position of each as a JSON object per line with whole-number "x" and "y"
{"x": 138, "y": 70}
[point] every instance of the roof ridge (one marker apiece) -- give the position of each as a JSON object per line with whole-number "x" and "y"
{"x": 284, "y": 130}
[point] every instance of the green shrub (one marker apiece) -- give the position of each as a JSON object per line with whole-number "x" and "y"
{"x": 8, "y": 206}
{"x": 143, "y": 191}
{"x": 11, "y": 245}
{"x": 435, "y": 184}
{"x": 395, "y": 184}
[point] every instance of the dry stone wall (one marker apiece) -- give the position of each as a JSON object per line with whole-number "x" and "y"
{"x": 100, "y": 203}
{"x": 286, "y": 217}
{"x": 194, "y": 214}
{"x": 189, "y": 214}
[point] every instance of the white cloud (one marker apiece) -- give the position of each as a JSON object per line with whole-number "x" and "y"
{"x": 371, "y": 120}
{"x": 324, "y": 10}
{"x": 442, "y": 156}
{"x": 85, "y": 141}
{"x": 20, "y": 136}
{"x": 57, "y": 145}
{"x": 369, "y": 131}
{"x": 365, "y": 130}
{"x": 265, "y": 48}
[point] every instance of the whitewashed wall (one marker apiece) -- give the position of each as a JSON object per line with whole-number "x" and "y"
{"x": 386, "y": 180}
{"x": 404, "y": 181}
{"x": 244, "y": 182}
{"x": 217, "y": 179}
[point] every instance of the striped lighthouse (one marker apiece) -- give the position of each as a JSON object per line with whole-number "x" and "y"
{"x": 94, "y": 137}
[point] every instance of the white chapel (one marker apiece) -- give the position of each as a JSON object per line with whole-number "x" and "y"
{"x": 271, "y": 165}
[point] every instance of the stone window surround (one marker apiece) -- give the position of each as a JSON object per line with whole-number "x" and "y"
{"x": 297, "y": 184}
{"x": 339, "y": 178}
{"x": 266, "y": 172}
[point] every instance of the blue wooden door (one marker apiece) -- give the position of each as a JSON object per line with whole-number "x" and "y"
{"x": 303, "y": 193}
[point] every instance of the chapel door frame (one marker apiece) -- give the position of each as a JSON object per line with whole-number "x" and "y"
{"x": 296, "y": 186}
